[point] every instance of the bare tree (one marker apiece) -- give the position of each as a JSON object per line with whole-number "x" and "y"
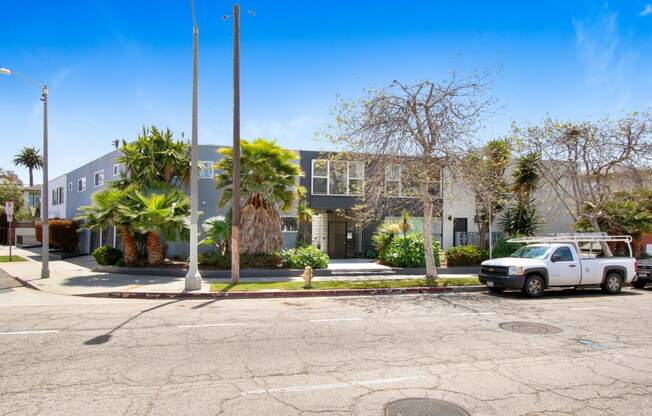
{"x": 483, "y": 170}
{"x": 406, "y": 136}
{"x": 585, "y": 163}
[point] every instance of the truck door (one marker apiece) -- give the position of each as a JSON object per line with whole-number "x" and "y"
{"x": 564, "y": 268}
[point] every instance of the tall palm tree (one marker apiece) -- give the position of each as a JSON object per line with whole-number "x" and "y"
{"x": 268, "y": 183}
{"x": 30, "y": 158}
{"x": 105, "y": 211}
{"x": 159, "y": 211}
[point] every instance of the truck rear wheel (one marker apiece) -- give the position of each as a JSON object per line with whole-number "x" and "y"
{"x": 613, "y": 283}
{"x": 534, "y": 286}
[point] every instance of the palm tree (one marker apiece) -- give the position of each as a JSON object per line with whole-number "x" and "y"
{"x": 154, "y": 157}
{"x": 268, "y": 184}
{"x": 30, "y": 158}
{"x": 160, "y": 210}
{"x": 105, "y": 211}
{"x": 521, "y": 218}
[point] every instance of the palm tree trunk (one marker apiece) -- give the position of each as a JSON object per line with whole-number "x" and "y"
{"x": 131, "y": 251}
{"x": 31, "y": 177}
{"x": 154, "y": 251}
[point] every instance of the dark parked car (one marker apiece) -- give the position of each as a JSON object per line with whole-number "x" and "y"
{"x": 644, "y": 274}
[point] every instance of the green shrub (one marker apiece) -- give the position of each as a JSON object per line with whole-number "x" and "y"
{"x": 408, "y": 252}
{"x": 465, "y": 256}
{"x": 107, "y": 256}
{"x": 247, "y": 261}
{"x": 298, "y": 258}
{"x": 384, "y": 235}
{"x": 504, "y": 249}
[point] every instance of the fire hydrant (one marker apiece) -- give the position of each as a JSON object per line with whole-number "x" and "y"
{"x": 307, "y": 277}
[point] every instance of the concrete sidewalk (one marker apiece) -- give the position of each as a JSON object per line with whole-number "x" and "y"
{"x": 75, "y": 277}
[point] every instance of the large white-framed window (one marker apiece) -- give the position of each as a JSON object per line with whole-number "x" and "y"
{"x": 81, "y": 184}
{"x": 337, "y": 177}
{"x": 205, "y": 169}
{"x": 98, "y": 178}
{"x": 116, "y": 170}
{"x": 400, "y": 184}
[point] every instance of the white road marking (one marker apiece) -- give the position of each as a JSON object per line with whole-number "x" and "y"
{"x": 331, "y": 386}
{"x": 473, "y": 314}
{"x": 593, "y": 308}
{"x": 336, "y": 319}
{"x": 29, "y": 332}
{"x": 209, "y": 325}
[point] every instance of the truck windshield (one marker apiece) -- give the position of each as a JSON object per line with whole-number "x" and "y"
{"x": 531, "y": 252}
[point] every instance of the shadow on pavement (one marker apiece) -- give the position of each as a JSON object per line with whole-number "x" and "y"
{"x": 564, "y": 294}
{"x": 115, "y": 281}
{"x": 104, "y": 338}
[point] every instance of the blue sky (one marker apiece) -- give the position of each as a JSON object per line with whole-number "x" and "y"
{"x": 115, "y": 65}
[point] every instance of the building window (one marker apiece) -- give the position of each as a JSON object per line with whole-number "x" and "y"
{"x": 400, "y": 184}
{"x": 320, "y": 177}
{"x": 393, "y": 180}
{"x": 81, "y": 184}
{"x": 205, "y": 169}
{"x": 337, "y": 177}
{"x": 289, "y": 224}
{"x": 57, "y": 196}
{"x": 69, "y": 186}
{"x": 98, "y": 178}
{"x": 116, "y": 170}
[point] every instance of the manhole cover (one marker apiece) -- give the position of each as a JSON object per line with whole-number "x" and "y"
{"x": 531, "y": 328}
{"x": 423, "y": 407}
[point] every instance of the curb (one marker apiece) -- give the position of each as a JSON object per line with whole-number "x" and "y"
{"x": 288, "y": 293}
{"x": 255, "y": 273}
{"x": 25, "y": 283}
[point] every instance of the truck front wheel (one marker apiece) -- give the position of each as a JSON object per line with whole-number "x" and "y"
{"x": 534, "y": 286}
{"x": 613, "y": 283}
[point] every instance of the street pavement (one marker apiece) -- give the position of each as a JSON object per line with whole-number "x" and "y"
{"x": 65, "y": 355}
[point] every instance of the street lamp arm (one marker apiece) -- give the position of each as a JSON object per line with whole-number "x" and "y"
{"x": 7, "y": 71}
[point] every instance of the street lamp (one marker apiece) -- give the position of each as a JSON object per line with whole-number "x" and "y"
{"x": 45, "y": 266}
{"x": 193, "y": 278}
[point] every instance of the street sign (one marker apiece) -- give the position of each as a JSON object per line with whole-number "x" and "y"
{"x": 9, "y": 210}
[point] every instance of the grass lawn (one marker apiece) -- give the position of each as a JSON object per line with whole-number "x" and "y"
{"x": 343, "y": 284}
{"x": 14, "y": 259}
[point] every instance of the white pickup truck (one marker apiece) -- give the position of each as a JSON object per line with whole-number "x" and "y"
{"x": 564, "y": 261}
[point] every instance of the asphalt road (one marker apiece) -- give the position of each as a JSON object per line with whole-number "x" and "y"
{"x": 78, "y": 356}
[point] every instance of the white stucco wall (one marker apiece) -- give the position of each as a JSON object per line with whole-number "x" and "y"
{"x": 458, "y": 202}
{"x": 57, "y": 211}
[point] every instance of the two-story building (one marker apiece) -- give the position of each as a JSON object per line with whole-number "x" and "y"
{"x": 333, "y": 188}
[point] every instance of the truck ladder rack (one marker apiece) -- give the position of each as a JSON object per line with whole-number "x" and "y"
{"x": 572, "y": 238}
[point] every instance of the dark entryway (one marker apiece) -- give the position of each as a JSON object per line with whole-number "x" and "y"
{"x": 343, "y": 237}
{"x": 460, "y": 225}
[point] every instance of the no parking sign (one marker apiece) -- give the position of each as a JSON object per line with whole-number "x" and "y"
{"x": 9, "y": 210}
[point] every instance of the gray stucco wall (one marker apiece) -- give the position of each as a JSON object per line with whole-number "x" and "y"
{"x": 208, "y": 200}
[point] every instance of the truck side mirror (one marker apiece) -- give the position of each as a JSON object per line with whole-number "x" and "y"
{"x": 555, "y": 258}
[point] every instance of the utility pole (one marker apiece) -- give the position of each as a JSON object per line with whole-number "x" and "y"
{"x": 235, "y": 206}
{"x": 193, "y": 278}
{"x": 45, "y": 191}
